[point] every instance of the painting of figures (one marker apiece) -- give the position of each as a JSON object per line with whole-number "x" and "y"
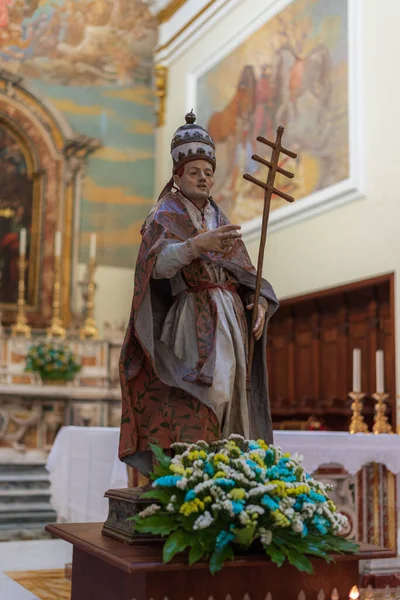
{"x": 292, "y": 71}
{"x": 16, "y": 196}
{"x": 78, "y": 42}
{"x": 92, "y": 60}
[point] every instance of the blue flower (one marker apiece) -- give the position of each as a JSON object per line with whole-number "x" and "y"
{"x": 191, "y": 495}
{"x": 209, "y": 469}
{"x": 315, "y": 497}
{"x": 304, "y": 533}
{"x": 251, "y": 463}
{"x": 269, "y": 502}
{"x": 237, "y": 507}
{"x": 253, "y": 446}
{"x": 223, "y": 539}
{"x": 167, "y": 480}
{"x": 228, "y": 483}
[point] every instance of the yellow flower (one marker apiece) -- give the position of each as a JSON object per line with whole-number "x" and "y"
{"x": 178, "y": 469}
{"x": 287, "y": 455}
{"x": 301, "y": 489}
{"x": 237, "y": 494}
{"x": 280, "y": 489}
{"x": 280, "y": 519}
{"x": 262, "y": 444}
{"x": 222, "y": 458}
{"x": 193, "y": 506}
{"x": 219, "y": 474}
{"x": 257, "y": 459}
{"x": 332, "y": 506}
{"x": 196, "y": 454}
{"x": 207, "y": 500}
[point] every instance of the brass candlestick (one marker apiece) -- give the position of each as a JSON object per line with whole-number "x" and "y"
{"x": 380, "y": 420}
{"x": 357, "y": 424}
{"x": 89, "y": 329}
{"x": 56, "y": 328}
{"x": 21, "y": 327}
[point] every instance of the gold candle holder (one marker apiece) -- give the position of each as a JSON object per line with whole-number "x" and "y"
{"x": 56, "y": 328}
{"x": 21, "y": 326}
{"x": 89, "y": 329}
{"x": 381, "y": 424}
{"x": 357, "y": 424}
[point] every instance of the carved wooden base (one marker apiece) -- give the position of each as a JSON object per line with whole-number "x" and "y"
{"x": 103, "y": 568}
{"x": 122, "y": 504}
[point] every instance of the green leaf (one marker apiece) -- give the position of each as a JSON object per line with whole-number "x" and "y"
{"x": 218, "y": 557}
{"x": 298, "y": 560}
{"x": 275, "y": 554}
{"x": 177, "y": 542}
{"x": 161, "y": 495}
{"x": 162, "y": 459}
{"x": 196, "y": 553}
{"x": 157, "y": 524}
{"x": 245, "y": 536}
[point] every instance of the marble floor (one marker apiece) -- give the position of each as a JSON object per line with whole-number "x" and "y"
{"x": 38, "y": 555}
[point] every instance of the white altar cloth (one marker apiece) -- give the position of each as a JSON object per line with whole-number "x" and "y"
{"x": 83, "y": 463}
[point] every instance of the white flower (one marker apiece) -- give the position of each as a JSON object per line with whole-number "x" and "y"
{"x": 254, "y": 508}
{"x": 173, "y": 498}
{"x": 266, "y": 538}
{"x": 170, "y": 507}
{"x": 182, "y": 483}
{"x": 149, "y": 511}
{"x": 297, "y": 524}
{"x": 203, "y": 521}
{"x": 244, "y": 518}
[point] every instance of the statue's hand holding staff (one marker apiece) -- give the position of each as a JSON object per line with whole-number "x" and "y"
{"x": 217, "y": 240}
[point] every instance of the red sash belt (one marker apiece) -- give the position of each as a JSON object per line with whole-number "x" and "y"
{"x": 204, "y": 287}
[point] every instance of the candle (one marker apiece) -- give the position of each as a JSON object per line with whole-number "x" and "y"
{"x": 380, "y": 378}
{"x": 357, "y": 370}
{"x": 92, "y": 253}
{"x": 354, "y": 593}
{"x": 22, "y": 242}
{"x": 57, "y": 247}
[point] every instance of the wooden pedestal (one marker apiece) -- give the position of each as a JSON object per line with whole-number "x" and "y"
{"x": 106, "y": 569}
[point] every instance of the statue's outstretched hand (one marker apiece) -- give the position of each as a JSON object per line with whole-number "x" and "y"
{"x": 260, "y": 321}
{"x": 217, "y": 240}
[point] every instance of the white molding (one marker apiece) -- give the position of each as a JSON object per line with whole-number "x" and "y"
{"x": 333, "y": 196}
{"x": 194, "y": 31}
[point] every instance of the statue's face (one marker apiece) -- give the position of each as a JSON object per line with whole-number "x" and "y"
{"x": 197, "y": 180}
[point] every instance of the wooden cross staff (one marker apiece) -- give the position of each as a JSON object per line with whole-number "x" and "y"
{"x": 269, "y": 189}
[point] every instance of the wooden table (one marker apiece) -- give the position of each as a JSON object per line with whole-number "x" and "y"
{"x": 104, "y": 569}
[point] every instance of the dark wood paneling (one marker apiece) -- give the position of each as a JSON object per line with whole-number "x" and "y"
{"x": 311, "y": 341}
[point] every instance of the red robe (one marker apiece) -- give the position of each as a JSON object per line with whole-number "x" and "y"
{"x": 163, "y": 400}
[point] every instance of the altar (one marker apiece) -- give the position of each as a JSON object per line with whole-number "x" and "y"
{"x": 362, "y": 470}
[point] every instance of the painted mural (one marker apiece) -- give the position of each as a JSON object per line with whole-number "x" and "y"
{"x": 291, "y": 72}
{"x": 92, "y": 59}
{"x": 16, "y": 198}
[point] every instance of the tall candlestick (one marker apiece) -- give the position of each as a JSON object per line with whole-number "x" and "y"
{"x": 89, "y": 328}
{"x": 21, "y": 326}
{"x": 57, "y": 244}
{"x": 92, "y": 253}
{"x": 357, "y": 370}
{"x": 380, "y": 378}
{"x": 22, "y": 242}
{"x": 56, "y": 328}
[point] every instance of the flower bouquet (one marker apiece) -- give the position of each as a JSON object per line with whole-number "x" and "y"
{"x": 220, "y": 498}
{"x": 52, "y": 361}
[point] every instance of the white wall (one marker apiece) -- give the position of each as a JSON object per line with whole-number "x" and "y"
{"x": 113, "y": 294}
{"x": 355, "y": 241}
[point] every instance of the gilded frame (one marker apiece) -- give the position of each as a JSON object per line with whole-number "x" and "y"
{"x": 37, "y": 210}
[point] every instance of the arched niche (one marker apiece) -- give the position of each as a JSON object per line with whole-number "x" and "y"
{"x": 43, "y": 191}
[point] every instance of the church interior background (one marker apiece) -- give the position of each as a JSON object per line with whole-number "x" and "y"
{"x": 91, "y": 92}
